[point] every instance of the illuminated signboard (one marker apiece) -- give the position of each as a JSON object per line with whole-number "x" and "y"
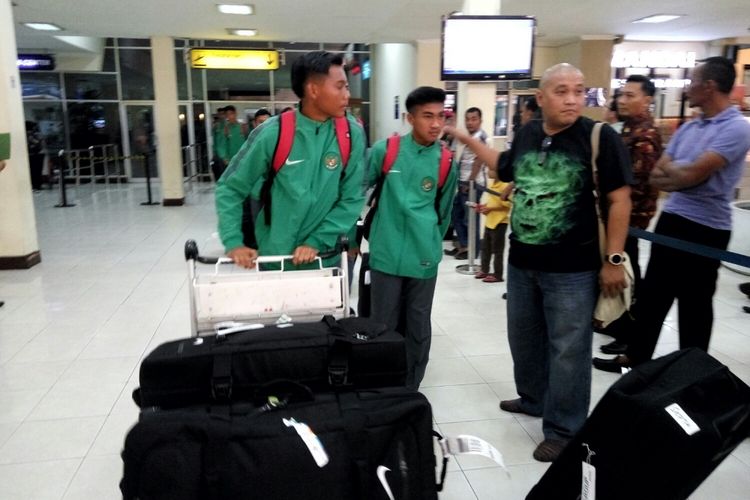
{"x": 234, "y": 59}
{"x": 659, "y": 83}
{"x": 35, "y": 62}
{"x": 653, "y": 59}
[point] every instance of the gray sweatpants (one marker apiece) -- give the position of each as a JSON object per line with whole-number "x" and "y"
{"x": 405, "y": 305}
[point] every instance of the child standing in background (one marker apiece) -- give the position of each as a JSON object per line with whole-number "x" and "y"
{"x": 497, "y": 215}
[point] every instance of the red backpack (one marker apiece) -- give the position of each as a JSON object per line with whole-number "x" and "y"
{"x": 287, "y": 126}
{"x": 391, "y": 153}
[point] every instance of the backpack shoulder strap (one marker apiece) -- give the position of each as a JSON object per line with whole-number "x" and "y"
{"x": 287, "y": 124}
{"x": 446, "y": 159}
{"x": 391, "y": 153}
{"x": 344, "y": 138}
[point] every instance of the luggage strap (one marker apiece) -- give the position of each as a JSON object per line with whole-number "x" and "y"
{"x": 339, "y": 353}
{"x": 354, "y": 427}
{"x": 221, "y": 378}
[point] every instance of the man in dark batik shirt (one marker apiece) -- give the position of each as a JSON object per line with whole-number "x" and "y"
{"x": 644, "y": 144}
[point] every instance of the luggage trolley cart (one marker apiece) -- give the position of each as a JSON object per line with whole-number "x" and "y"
{"x": 229, "y": 302}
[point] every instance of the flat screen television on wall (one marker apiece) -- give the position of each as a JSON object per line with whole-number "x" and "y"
{"x": 487, "y": 48}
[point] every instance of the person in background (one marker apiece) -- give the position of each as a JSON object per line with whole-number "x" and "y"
{"x": 314, "y": 198}
{"x": 471, "y": 169}
{"x": 450, "y": 121}
{"x": 35, "y": 145}
{"x": 555, "y": 271}
{"x": 611, "y": 115}
{"x": 217, "y": 128}
{"x": 703, "y": 163}
{"x": 644, "y": 144}
{"x": 413, "y": 214}
{"x": 232, "y": 136}
{"x": 497, "y": 215}
{"x": 260, "y": 116}
{"x": 530, "y": 111}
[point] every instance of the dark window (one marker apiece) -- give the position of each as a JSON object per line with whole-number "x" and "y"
{"x": 40, "y": 85}
{"x": 136, "y": 74}
{"x": 133, "y": 42}
{"x": 90, "y": 86}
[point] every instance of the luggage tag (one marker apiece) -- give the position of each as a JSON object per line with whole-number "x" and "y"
{"x": 464, "y": 444}
{"x": 229, "y": 327}
{"x": 588, "y": 478}
{"x": 310, "y": 439}
{"x": 683, "y": 419}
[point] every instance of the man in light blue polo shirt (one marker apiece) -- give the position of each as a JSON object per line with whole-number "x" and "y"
{"x": 701, "y": 167}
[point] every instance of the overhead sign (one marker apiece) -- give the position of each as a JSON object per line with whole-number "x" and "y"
{"x": 659, "y": 83}
{"x": 234, "y": 59}
{"x": 38, "y": 62}
{"x": 653, "y": 59}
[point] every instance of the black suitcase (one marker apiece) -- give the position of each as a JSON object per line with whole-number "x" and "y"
{"x": 354, "y": 352}
{"x": 657, "y": 433}
{"x": 363, "y": 302}
{"x": 374, "y": 443}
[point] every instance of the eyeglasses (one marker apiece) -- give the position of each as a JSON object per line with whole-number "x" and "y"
{"x": 546, "y": 143}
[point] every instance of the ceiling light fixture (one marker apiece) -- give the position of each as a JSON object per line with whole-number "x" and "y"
{"x": 658, "y": 18}
{"x": 240, "y": 9}
{"x": 43, "y": 26}
{"x": 242, "y": 32}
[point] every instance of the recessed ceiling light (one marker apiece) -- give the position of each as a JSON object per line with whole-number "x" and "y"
{"x": 43, "y": 26}
{"x": 242, "y": 9}
{"x": 658, "y": 18}
{"x": 242, "y": 32}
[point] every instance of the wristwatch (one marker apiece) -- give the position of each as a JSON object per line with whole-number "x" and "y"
{"x": 616, "y": 259}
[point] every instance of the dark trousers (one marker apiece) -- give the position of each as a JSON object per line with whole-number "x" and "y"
{"x": 674, "y": 274}
{"x": 493, "y": 245}
{"x": 405, "y": 305}
{"x": 622, "y": 327}
{"x": 460, "y": 217}
{"x": 36, "y": 165}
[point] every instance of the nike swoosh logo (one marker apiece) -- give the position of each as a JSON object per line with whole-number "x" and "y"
{"x": 382, "y": 469}
{"x": 290, "y": 162}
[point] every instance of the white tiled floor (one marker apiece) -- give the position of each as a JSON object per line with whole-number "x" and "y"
{"x": 111, "y": 286}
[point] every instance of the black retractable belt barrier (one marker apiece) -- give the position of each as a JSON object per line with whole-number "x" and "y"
{"x": 61, "y": 169}
{"x": 690, "y": 247}
{"x": 147, "y": 166}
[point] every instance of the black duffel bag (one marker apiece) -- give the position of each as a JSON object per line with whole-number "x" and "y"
{"x": 366, "y": 445}
{"x": 656, "y": 434}
{"x": 351, "y": 352}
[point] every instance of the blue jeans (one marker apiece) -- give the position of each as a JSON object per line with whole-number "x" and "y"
{"x": 550, "y": 333}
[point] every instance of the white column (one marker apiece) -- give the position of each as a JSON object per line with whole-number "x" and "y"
{"x": 393, "y": 77}
{"x": 475, "y": 94}
{"x": 19, "y": 248}
{"x": 166, "y": 121}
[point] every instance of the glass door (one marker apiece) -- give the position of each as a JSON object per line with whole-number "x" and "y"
{"x": 142, "y": 151}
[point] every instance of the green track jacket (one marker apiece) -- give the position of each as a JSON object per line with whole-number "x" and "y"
{"x": 405, "y": 238}
{"x": 230, "y": 137}
{"x": 311, "y": 203}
